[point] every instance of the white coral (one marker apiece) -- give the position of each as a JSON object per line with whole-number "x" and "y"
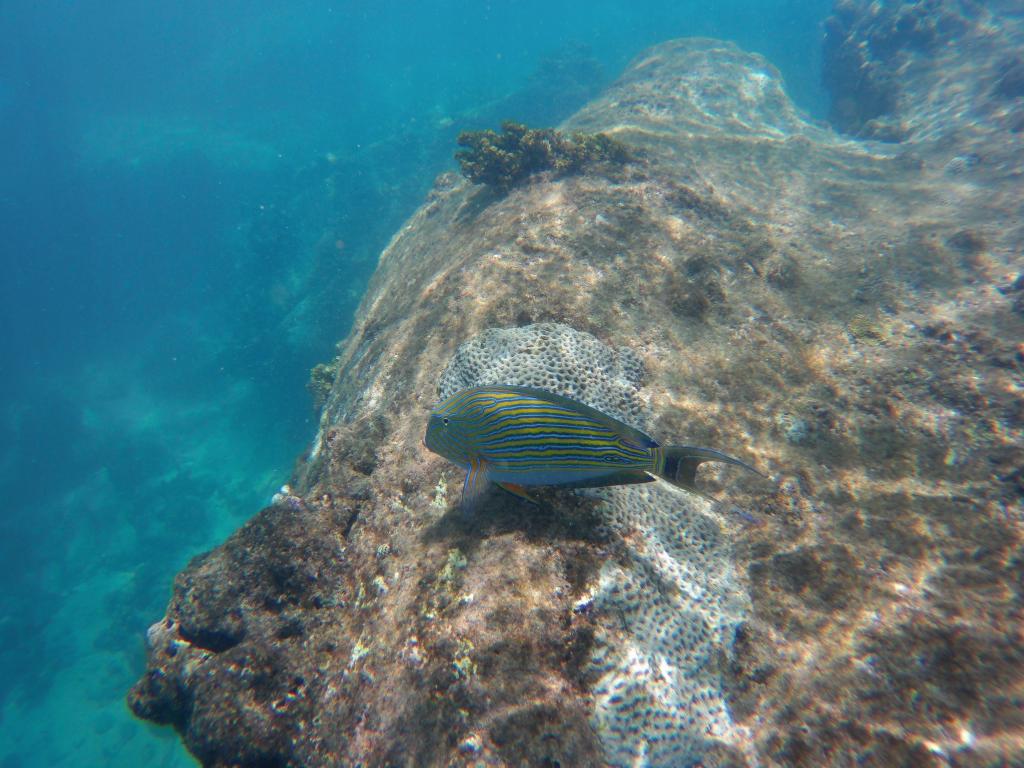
{"x": 661, "y": 617}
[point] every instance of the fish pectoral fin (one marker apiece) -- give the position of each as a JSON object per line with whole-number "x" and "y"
{"x": 478, "y": 478}
{"x": 517, "y": 490}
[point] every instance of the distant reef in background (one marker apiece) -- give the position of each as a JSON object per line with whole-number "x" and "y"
{"x": 843, "y": 310}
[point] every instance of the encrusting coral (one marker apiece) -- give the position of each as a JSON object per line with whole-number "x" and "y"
{"x": 664, "y": 610}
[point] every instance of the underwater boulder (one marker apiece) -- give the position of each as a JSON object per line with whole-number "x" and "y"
{"x": 363, "y": 618}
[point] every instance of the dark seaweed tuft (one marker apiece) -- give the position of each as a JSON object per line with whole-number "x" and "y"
{"x": 502, "y": 160}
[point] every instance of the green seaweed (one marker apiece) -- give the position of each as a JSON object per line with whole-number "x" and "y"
{"x": 462, "y": 663}
{"x": 321, "y": 380}
{"x": 501, "y": 160}
{"x": 866, "y": 330}
{"x": 445, "y": 589}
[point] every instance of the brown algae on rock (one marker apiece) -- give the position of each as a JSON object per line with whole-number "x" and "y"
{"x": 501, "y": 160}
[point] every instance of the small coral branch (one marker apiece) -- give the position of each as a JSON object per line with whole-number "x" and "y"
{"x": 502, "y": 160}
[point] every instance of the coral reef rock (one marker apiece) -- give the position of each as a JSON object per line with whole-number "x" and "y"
{"x": 843, "y": 314}
{"x": 925, "y": 69}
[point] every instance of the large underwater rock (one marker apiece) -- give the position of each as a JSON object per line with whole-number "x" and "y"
{"x": 844, "y": 315}
{"x": 926, "y": 69}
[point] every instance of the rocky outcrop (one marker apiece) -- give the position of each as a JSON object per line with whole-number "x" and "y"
{"x": 841, "y": 314}
{"x": 926, "y": 69}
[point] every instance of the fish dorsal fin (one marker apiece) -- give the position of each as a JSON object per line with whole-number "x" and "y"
{"x": 632, "y": 434}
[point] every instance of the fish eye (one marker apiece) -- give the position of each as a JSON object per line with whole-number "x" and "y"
{"x": 445, "y": 421}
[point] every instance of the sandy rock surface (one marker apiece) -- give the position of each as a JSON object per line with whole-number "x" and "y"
{"x": 841, "y": 313}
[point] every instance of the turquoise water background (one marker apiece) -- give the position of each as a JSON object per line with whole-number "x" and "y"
{"x": 192, "y": 198}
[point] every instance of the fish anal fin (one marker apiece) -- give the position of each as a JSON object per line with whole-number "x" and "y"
{"x": 623, "y": 477}
{"x": 517, "y": 490}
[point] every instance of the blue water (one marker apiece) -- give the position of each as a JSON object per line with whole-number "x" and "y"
{"x": 192, "y": 198}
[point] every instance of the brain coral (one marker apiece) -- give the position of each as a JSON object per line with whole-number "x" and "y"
{"x": 671, "y": 602}
{"x": 554, "y": 357}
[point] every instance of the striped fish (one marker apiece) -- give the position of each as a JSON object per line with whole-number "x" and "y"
{"x": 518, "y": 437}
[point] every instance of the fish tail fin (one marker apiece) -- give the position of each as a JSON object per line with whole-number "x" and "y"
{"x": 678, "y": 465}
